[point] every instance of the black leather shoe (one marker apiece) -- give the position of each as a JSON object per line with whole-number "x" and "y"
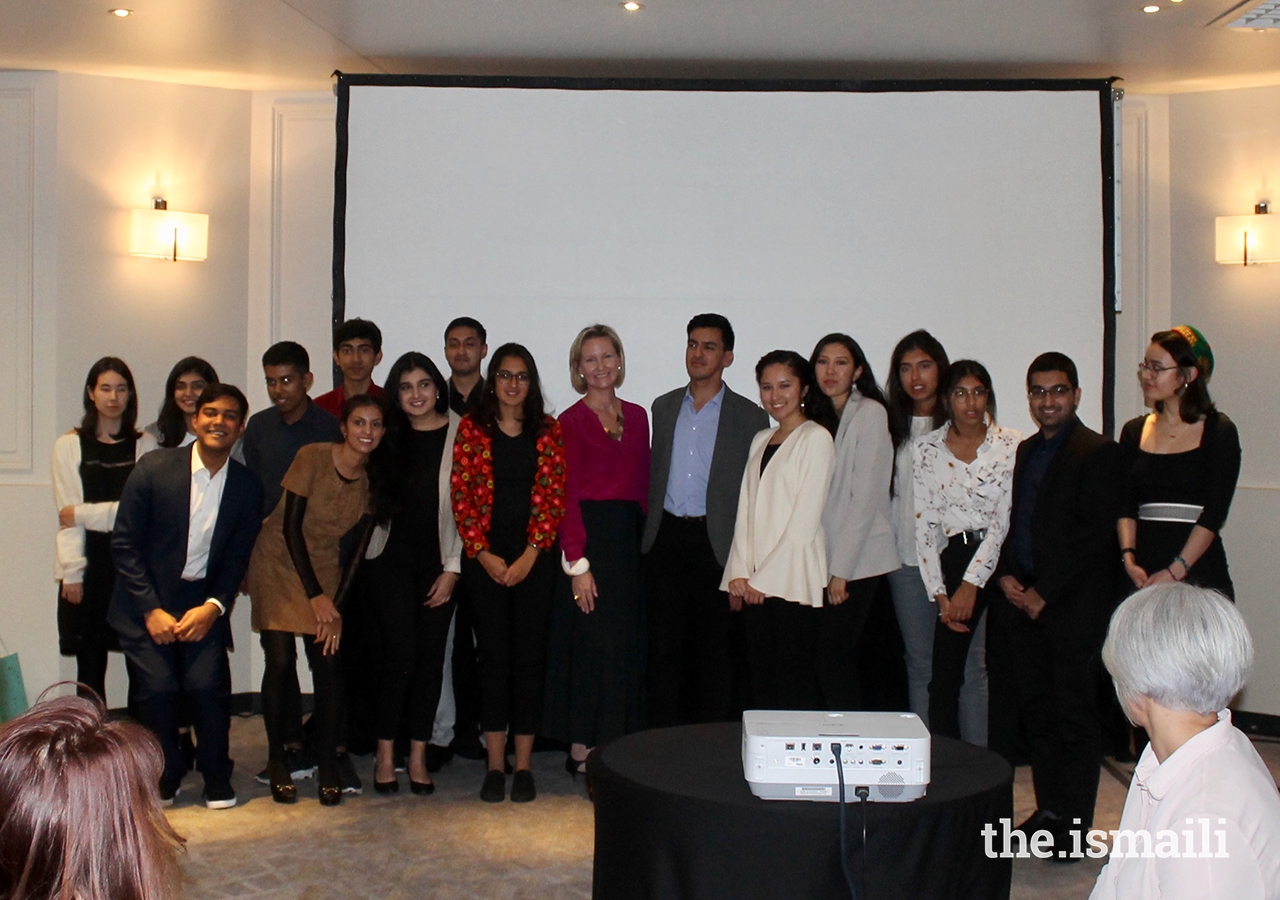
{"x": 494, "y": 789}
{"x": 522, "y": 787}
{"x": 422, "y": 788}
{"x": 387, "y": 787}
{"x": 281, "y": 781}
{"x": 330, "y": 786}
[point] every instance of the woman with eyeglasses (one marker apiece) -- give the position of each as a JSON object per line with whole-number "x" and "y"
{"x": 1181, "y": 463}
{"x": 508, "y": 490}
{"x": 963, "y": 495}
{"x": 595, "y": 663}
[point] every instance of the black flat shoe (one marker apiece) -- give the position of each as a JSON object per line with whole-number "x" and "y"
{"x": 281, "y": 781}
{"x": 494, "y": 789}
{"x": 422, "y": 788}
{"x": 387, "y": 787}
{"x": 522, "y": 787}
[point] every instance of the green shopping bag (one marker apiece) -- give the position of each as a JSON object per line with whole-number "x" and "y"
{"x": 13, "y": 696}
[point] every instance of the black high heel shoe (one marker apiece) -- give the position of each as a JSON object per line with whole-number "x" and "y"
{"x": 330, "y": 784}
{"x": 422, "y": 788}
{"x": 387, "y": 787}
{"x": 575, "y": 767}
{"x": 282, "y": 787}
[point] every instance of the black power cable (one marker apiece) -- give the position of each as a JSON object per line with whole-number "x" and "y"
{"x": 863, "y": 793}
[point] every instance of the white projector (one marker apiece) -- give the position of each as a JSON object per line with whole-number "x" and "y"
{"x": 790, "y": 755}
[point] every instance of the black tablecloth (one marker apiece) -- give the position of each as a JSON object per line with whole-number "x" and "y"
{"x": 676, "y": 819}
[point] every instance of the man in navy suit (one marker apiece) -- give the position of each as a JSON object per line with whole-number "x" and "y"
{"x": 187, "y": 522}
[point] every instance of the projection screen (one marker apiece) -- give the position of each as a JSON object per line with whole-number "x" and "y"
{"x": 981, "y": 212}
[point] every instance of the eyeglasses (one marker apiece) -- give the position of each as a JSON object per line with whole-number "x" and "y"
{"x": 978, "y": 393}
{"x": 520, "y": 377}
{"x": 1057, "y": 391}
{"x": 1154, "y": 369}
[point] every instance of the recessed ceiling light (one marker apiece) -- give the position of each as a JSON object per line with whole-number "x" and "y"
{"x": 1151, "y": 9}
{"x": 632, "y": 6}
{"x": 120, "y": 12}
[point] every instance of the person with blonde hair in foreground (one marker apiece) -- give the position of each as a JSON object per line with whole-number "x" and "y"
{"x": 80, "y": 814}
{"x": 1202, "y": 818}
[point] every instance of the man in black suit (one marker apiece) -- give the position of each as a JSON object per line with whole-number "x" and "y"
{"x": 186, "y": 525}
{"x": 1058, "y": 572}
{"x": 701, "y": 438}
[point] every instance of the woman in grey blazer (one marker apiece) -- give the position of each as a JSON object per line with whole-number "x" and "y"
{"x": 858, "y": 517}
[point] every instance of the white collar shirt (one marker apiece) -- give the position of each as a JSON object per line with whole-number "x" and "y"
{"x": 206, "y": 498}
{"x": 1211, "y": 814}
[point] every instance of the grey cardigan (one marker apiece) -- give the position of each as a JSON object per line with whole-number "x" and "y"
{"x": 740, "y": 420}
{"x": 858, "y": 518}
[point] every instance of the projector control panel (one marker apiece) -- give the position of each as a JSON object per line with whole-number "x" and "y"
{"x": 792, "y": 754}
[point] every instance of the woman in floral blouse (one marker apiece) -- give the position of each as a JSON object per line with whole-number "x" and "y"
{"x": 508, "y": 499}
{"x": 963, "y": 485}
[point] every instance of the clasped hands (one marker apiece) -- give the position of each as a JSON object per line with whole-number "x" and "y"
{"x": 508, "y": 575}
{"x": 740, "y": 592}
{"x": 956, "y": 610}
{"x": 193, "y": 626}
{"x": 1026, "y": 599}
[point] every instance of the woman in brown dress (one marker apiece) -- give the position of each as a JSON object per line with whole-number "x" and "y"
{"x": 297, "y": 585}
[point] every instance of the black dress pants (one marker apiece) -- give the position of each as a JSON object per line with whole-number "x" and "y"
{"x": 951, "y": 648}
{"x": 690, "y": 675}
{"x": 511, "y": 638}
{"x": 412, "y": 639}
{"x": 781, "y": 638}
{"x": 1057, "y": 659}
{"x": 836, "y": 652}
{"x": 194, "y": 670}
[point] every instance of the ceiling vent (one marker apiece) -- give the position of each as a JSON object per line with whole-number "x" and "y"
{"x": 1257, "y": 18}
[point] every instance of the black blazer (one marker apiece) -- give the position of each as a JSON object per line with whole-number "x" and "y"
{"x": 1073, "y": 527}
{"x": 149, "y": 542}
{"x": 740, "y": 420}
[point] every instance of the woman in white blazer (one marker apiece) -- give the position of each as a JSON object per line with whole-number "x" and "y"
{"x": 858, "y": 516}
{"x": 414, "y": 560}
{"x": 90, "y": 466}
{"x": 777, "y": 567}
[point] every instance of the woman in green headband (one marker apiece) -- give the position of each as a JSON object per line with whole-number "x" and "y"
{"x": 1181, "y": 462}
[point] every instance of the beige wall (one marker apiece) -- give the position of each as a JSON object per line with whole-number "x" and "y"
{"x": 1224, "y": 151}
{"x": 116, "y": 143}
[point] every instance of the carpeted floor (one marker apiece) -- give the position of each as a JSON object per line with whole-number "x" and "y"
{"x": 451, "y": 845}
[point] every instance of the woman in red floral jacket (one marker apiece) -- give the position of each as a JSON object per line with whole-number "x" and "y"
{"x": 508, "y": 497}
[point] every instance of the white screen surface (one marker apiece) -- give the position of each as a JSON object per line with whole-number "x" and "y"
{"x": 976, "y": 215}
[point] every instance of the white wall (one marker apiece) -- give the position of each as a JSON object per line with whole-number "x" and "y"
{"x": 1224, "y": 150}
{"x": 109, "y": 145}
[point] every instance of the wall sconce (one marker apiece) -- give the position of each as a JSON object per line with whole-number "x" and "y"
{"x": 1248, "y": 240}
{"x": 158, "y": 233}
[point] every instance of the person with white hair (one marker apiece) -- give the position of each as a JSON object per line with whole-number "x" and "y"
{"x": 1202, "y": 808}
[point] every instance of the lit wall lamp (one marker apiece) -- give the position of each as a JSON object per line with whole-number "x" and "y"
{"x": 160, "y": 234}
{"x": 1248, "y": 240}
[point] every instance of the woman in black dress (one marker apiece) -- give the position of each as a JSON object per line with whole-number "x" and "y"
{"x": 1181, "y": 462}
{"x": 414, "y": 563}
{"x": 90, "y": 466}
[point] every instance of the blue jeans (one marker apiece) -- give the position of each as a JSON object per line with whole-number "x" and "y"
{"x": 917, "y": 617}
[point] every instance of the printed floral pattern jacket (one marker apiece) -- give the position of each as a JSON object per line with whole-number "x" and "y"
{"x": 472, "y": 486}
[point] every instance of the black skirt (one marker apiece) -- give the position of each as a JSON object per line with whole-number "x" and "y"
{"x": 595, "y": 662}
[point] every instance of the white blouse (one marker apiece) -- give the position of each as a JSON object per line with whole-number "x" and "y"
{"x": 953, "y": 496}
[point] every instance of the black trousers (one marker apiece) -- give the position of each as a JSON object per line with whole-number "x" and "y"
{"x": 690, "y": 674}
{"x": 781, "y": 638}
{"x": 1057, "y": 658}
{"x": 281, "y": 664}
{"x": 511, "y": 639}
{"x": 951, "y": 648}
{"x": 411, "y": 639}
{"x": 196, "y": 671}
{"x": 465, "y": 666}
{"x": 836, "y": 650}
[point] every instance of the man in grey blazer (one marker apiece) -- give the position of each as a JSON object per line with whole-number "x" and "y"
{"x": 701, "y": 438}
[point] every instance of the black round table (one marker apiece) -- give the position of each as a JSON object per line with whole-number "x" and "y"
{"x": 676, "y": 819}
